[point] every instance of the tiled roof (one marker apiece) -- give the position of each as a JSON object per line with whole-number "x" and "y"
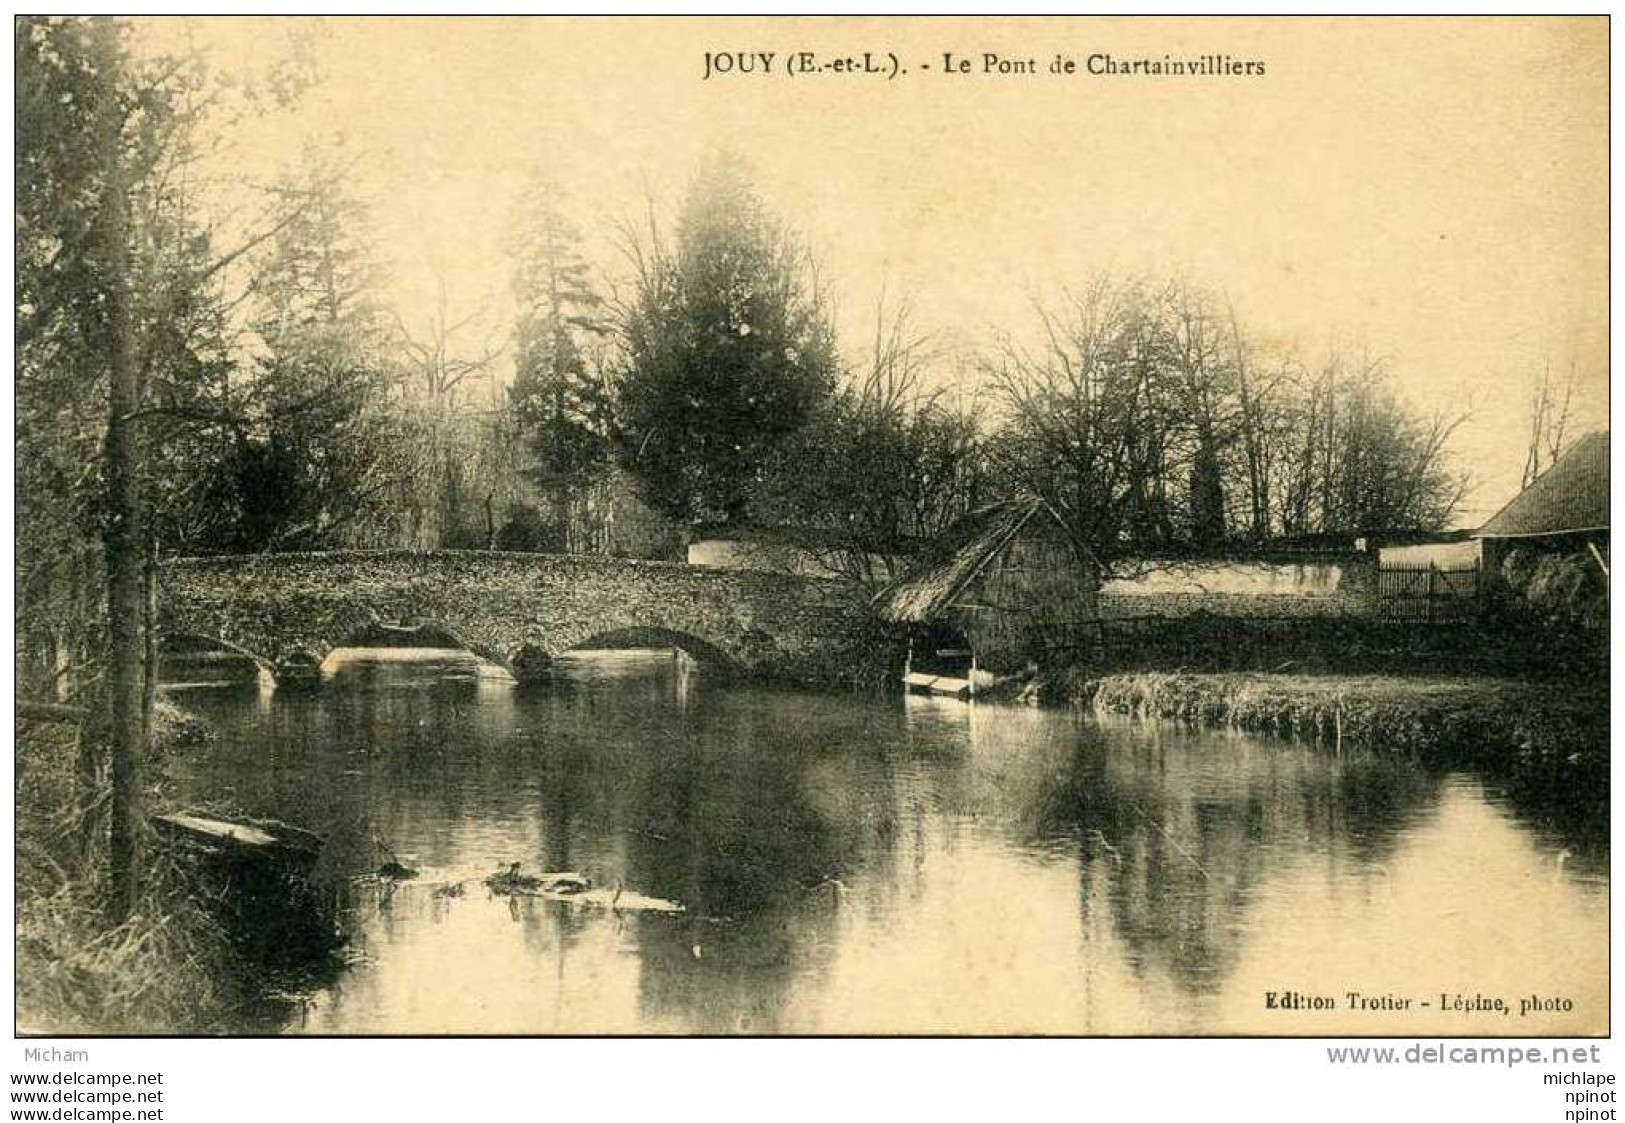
{"x": 1571, "y": 495}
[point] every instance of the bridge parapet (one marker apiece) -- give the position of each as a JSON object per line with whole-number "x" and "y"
{"x": 522, "y": 610}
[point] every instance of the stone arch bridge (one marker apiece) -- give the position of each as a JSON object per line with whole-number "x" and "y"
{"x": 522, "y": 610}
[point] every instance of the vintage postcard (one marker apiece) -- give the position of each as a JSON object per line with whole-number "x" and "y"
{"x": 812, "y": 526}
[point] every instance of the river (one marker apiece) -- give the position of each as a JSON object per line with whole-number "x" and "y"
{"x": 896, "y": 865}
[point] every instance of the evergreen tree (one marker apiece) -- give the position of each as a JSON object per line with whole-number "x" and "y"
{"x": 315, "y": 461}
{"x": 728, "y": 352}
{"x": 560, "y": 399}
{"x": 60, "y": 374}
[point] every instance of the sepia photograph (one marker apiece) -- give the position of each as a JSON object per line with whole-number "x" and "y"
{"x": 811, "y": 526}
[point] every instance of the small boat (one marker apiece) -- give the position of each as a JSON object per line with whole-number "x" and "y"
{"x": 921, "y": 683}
{"x": 240, "y": 838}
{"x": 259, "y": 877}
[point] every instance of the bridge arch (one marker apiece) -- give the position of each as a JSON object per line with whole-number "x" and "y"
{"x": 701, "y": 650}
{"x": 200, "y": 658}
{"x": 421, "y": 633}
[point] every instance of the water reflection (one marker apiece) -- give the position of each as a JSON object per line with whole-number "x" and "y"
{"x": 889, "y": 866}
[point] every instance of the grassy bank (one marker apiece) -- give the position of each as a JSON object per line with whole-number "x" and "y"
{"x": 166, "y": 969}
{"x": 1549, "y": 742}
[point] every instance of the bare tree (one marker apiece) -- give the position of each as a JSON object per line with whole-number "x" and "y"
{"x": 1548, "y": 423}
{"x": 1258, "y": 410}
{"x": 1142, "y": 412}
{"x": 434, "y": 372}
{"x": 1071, "y": 405}
{"x": 1206, "y": 385}
{"x": 887, "y": 462}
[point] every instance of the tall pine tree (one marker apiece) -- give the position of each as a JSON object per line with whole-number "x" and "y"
{"x": 560, "y": 399}
{"x": 314, "y": 465}
{"x": 728, "y": 351}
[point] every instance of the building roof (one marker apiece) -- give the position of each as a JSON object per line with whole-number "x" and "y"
{"x": 931, "y": 586}
{"x": 1570, "y": 496}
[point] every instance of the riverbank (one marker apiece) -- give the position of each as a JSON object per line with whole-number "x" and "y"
{"x": 1550, "y": 741}
{"x": 165, "y": 969}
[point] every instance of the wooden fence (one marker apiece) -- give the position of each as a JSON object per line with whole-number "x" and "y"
{"x": 1428, "y": 592}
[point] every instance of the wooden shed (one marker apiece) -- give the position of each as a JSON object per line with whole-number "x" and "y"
{"x": 1001, "y": 591}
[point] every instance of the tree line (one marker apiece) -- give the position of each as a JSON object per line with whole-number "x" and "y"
{"x": 182, "y": 391}
{"x": 1148, "y": 419}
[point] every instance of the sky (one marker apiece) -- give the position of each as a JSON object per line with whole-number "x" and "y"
{"x": 1431, "y": 190}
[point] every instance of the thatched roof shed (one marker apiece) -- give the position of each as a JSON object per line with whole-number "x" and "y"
{"x": 932, "y": 586}
{"x": 1570, "y": 497}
